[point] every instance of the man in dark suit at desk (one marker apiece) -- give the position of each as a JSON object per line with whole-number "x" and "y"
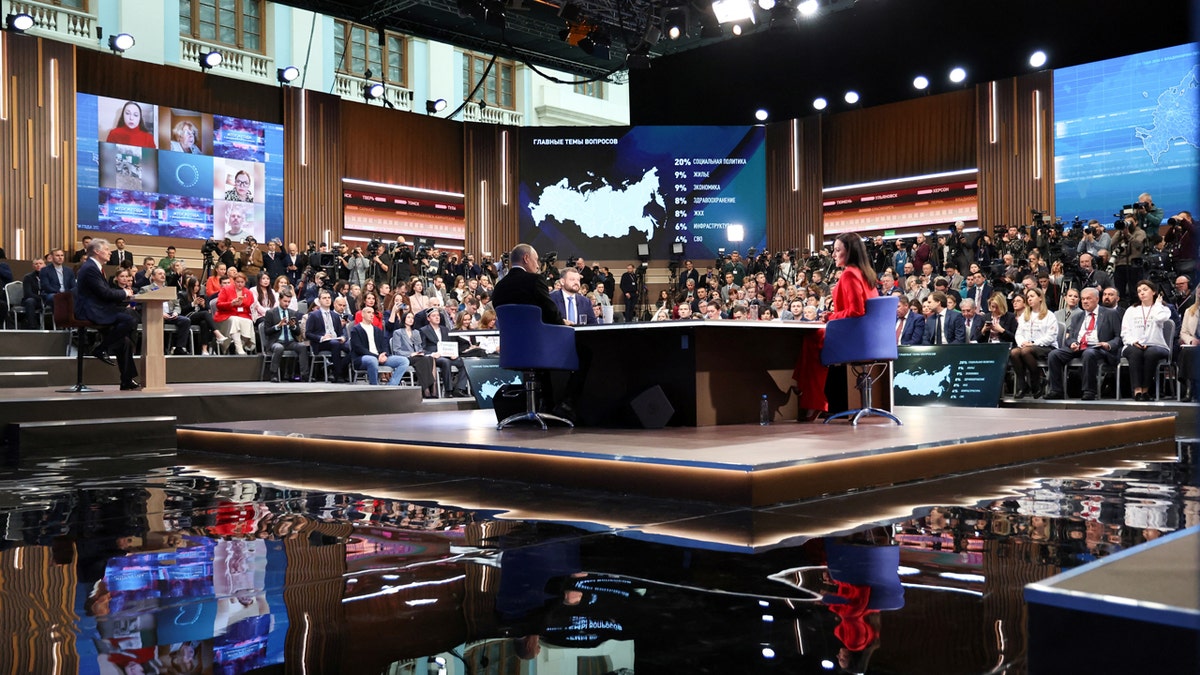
{"x": 575, "y": 308}
{"x": 102, "y": 304}
{"x": 523, "y": 285}
{"x": 943, "y": 326}
{"x": 56, "y": 277}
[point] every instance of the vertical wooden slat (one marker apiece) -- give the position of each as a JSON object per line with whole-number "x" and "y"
{"x": 1008, "y": 187}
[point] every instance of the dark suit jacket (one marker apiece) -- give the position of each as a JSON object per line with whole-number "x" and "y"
{"x": 271, "y": 324}
{"x": 31, "y": 283}
{"x": 982, "y": 305}
{"x": 1108, "y": 328}
{"x": 95, "y": 299}
{"x": 954, "y": 329}
{"x": 583, "y": 308}
{"x": 629, "y": 285}
{"x": 358, "y": 341}
{"x": 432, "y": 337}
{"x": 314, "y": 326}
{"x": 973, "y": 326}
{"x": 1098, "y": 279}
{"x": 119, "y": 256}
{"x": 519, "y": 287}
{"x": 276, "y": 266}
{"x": 50, "y": 282}
{"x": 914, "y": 329}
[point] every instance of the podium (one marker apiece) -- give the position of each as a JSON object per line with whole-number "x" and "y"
{"x": 154, "y": 363}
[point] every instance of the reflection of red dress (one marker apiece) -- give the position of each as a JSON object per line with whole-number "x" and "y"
{"x": 853, "y": 631}
{"x": 849, "y": 300}
{"x": 126, "y": 136}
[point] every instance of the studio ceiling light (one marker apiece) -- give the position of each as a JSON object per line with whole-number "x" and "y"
{"x": 820, "y": 103}
{"x": 958, "y": 75}
{"x": 1037, "y": 59}
{"x": 373, "y": 90}
{"x": 675, "y": 20}
{"x": 921, "y": 82}
{"x": 807, "y": 8}
{"x": 434, "y": 106}
{"x": 851, "y": 97}
{"x": 761, "y": 114}
{"x": 732, "y": 11}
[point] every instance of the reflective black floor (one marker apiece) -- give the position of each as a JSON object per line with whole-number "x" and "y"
{"x": 195, "y": 563}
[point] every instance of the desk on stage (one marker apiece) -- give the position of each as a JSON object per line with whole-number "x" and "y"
{"x": 712, "y": 372}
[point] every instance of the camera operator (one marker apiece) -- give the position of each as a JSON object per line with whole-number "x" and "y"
{"x": 1182, "y": 238}
{"x": 984, "y": 252}
{"x": 250, "y": 260}
{"x": 1128, "y": 246}
{"x": 1089, "y": 277}
{"x": 1094, "y": 239}
{"x": 1149, "y": 214}
{"x": 380, "y": 262}
{"x": 225, "y": 253}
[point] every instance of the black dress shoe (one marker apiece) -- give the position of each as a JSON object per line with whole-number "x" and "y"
{"x": 275, "y": 378}
{"x": 461, "y": 393}
{"x": 1052, "y": 395}
{"x": 103, "y": 356}
{"x": 1089, "y": 396}
{"x": 130, "y": 385}
{"x": 1020, "y": 392}
{"x": 179, "y": 351}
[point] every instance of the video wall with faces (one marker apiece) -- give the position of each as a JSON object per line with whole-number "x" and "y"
{"x": 148, "y": 169}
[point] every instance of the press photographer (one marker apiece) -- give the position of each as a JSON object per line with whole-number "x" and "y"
{"x": 1182, "y": 239}
{"x": 1128, "y": 246}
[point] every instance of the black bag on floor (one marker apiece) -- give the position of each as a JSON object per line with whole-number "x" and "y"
{"x": 509, "y": 400}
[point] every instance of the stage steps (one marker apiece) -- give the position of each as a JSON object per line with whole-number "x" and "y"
{"x": 74, "y": 437}
{"x": 24, "y": 378}
{"x": 33, "y": 343}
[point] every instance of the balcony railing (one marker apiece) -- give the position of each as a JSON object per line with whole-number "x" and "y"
{"x": 63, "y": 24}
{"x": 234, "y": 62}
{"x": 491, "y": 115}
{"x": 350, "y": 87}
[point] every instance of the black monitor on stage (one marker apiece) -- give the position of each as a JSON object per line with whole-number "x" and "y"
{"x": 970, "y": 376}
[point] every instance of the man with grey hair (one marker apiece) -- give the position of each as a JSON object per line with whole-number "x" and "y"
{"x": 105, "y": 305}
{"x": 524, "y": 286}
{"x": 1094, "y": 337}
{"x": 972, "y": 318}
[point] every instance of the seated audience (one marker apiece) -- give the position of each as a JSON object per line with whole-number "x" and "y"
{"x": 1037, "y": 334}
{"x": 370, "y": 348}
{"x": 326, "y": 333}
{"x": 233, "y": 314}
{"x": 282, "y": 331}
{"x": 1143, "y": 334}
{"x": 1094, "y": 337}
{"x": 408, "y": 342}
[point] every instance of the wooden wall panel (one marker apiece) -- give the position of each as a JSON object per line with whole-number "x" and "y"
{"x": 925, "y": 135}
{"x": 37, "y": 145}
{"x": 400, "y": 148}
{"x": 491, "y": 186}
{"x": 313, "y": 157}
{"x": 794, "y": 184}
{"x": 1015, "y": 149}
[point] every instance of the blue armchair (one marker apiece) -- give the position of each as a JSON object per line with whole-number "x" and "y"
{"x": 867, "y": 343}
{"x": 528, "y": 345}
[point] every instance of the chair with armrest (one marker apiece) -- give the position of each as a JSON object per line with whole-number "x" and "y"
{"x": 528, "y": 345}
{"x": 867, "y": 343}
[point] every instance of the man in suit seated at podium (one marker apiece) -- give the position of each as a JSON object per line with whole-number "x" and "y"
{"x": 575, "y": 308}
{"x": 943, "y": 326}
{"x": 103, "y": 304}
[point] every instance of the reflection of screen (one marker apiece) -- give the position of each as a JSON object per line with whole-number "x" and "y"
{"x": 167, "y": 174}
{"x": 1125, "y": 126}
{"x": 950, "y": 375}
{"x": 601, "y": 192}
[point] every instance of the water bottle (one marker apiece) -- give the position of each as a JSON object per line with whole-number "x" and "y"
{"x": 764, "y": 412}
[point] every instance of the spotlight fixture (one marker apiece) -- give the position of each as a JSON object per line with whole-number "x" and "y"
{"x": 675, "y": 20}
{"x": 287, "y": 74}
{"x": 851, "y": 97}
{"x": 820, "y": 103}
{"x": 737, "y": 29}
{"x": 958, "y": 75}
{"x": 494, "y": 13}
{"x": 732, "y": 11}
{"x": 597, "y": 43}
{"x": 210, "y": 60}
{"x": 373, "y": 90}
{"x": 766, "y": 5}
{"x": 120, "y": 42}
{"x": 1037, "y": 59}
{"x": 921, "y": 82}
{"x": 433, "y": 106}
{"x": 20, "y": 22}
{"x": 783, "y": 15}
{"x": 761, "y": 114}
{"x": 807, "y": 8}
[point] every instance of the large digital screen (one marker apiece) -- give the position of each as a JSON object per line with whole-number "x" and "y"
{"x": 1126, "y": 126}
{"x": 166, "y": 172}
{"x": 950, "y": 375}
{"x": 602, "y": 192}
{"x": 441, "y": 217}
{"x": 920, "y": 202}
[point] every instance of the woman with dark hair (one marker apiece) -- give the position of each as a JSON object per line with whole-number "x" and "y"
{"x": 407, "y": 342}
{"x": 1144, "y": 336}
{"x": 130, "y": 128}
{"x": 194, "y": 306}
{"x": 856, "y": 284}
{"x": 264, "y": 297}
{"x": 243, "y": 188}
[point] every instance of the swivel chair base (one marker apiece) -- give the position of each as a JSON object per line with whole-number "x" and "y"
{"x": 864, "y": 381}
{"x": 79, "y": 387}
{"x": 529, "y": 378}
{"x": 540, "y": 418}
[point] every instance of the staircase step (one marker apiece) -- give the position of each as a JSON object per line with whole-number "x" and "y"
{"x": 88, "y": 436}
{"x": 25, "y": 378}
{"x": 33, "y": 342}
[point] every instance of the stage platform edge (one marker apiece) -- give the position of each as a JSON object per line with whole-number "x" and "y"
{"x": 739, "y": 465}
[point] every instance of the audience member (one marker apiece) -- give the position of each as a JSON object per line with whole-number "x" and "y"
{"x": 325, "y": 333}
{"x": 233, "y": 314}
{"x": 370, "y": 348}
{"x": 434, "y": 334}
{"x": 281, "y": 328}
{"x": 172, "y": 315}
{"x": 1143, "y": 334}
{"x": 408, "y": 342}
{"x": 1094, "y": 337}
{"x": 1037, "y": 334}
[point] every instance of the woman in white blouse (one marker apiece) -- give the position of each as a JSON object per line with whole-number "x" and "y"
{"x": 1142, "y": 334}
{"x": 1037, "y": 334}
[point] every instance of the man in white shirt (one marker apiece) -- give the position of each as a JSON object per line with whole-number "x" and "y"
{"x": 370, "y": 347}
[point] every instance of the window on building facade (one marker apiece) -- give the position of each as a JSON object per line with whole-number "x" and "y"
{"x": 357, "y": 49}
{"x": 593, "y": 89}
{"x": 498, "y": 89}
{"x": 230, "y": 23}
{"x": 78, "y": 5}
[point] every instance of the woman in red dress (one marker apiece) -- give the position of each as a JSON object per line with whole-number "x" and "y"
{"x": 856, "y": 284}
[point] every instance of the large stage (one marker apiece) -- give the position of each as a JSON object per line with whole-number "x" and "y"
{"x": 743, "y": 465}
